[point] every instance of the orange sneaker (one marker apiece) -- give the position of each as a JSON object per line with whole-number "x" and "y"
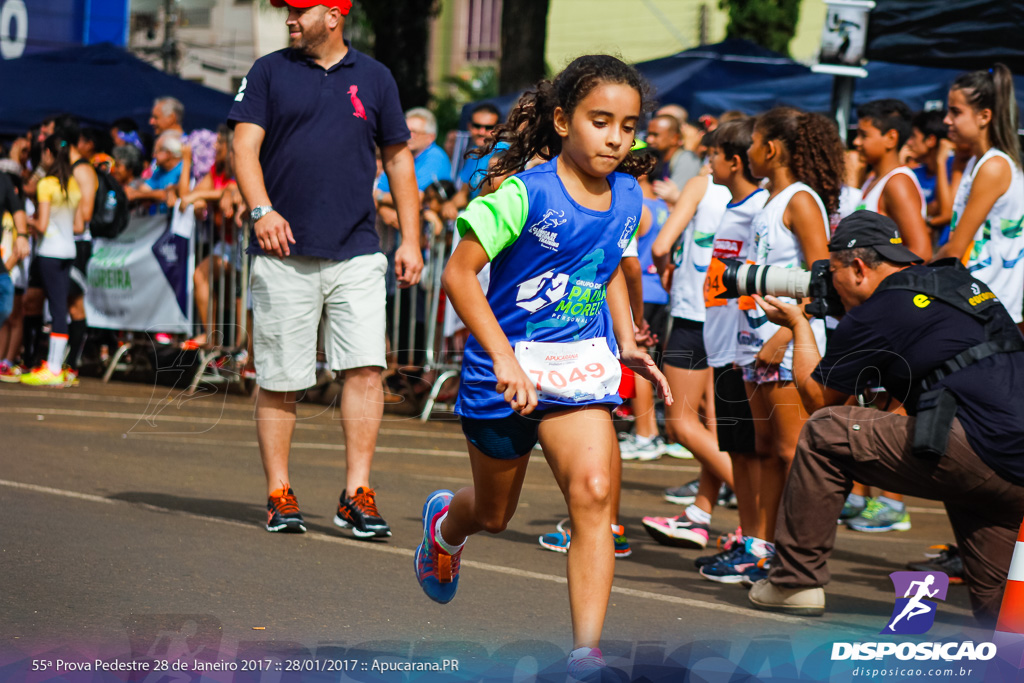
{"x": 283, "y": 512}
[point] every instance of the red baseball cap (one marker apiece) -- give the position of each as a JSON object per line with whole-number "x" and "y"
{"x": 343, "y": 5}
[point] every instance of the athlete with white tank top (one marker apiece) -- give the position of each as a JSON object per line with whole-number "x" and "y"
{"x": 871, "y": 196}
{"x": 776, "y": 245}
{"x": 997, "y": 254}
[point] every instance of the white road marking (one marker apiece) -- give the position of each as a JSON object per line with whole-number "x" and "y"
{"x": 406, "y": 552}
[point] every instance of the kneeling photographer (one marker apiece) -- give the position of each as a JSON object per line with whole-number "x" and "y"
{"x": 938, "y": 340}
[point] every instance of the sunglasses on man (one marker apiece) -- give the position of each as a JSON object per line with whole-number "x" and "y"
{"x": 482, "y": 126}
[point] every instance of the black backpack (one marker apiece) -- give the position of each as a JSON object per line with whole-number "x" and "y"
{"x": 110, "y": 212}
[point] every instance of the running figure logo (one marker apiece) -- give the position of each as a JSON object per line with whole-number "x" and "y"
{"x": 356, "y": 104}
{"x": 913, "y": 612}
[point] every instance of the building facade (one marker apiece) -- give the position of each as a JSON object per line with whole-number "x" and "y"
{"x": 217, "y": 40}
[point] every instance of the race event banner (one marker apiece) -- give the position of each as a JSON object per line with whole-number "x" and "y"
{"x": 141, "y": 280}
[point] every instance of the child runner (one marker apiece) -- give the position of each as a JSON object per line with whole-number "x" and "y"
{"x": 696, "y": 217}
{"x": 734, "y": 423}
{"x": 988, "y": 211}
{"x": 892, "y": 189}
{"x": 57, "y": 223}
{"x": 802, "y": 156}
{"x": 883, "y": 127}
{"x": 554, "y": 236}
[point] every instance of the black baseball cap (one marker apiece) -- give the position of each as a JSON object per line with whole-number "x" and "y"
{"x": 870, "y": 229}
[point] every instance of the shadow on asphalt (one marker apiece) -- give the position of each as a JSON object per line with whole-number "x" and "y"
{"x": 225, "y": 509}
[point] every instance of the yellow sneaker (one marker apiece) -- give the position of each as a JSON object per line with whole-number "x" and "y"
{"x": 70, "y": 377}
{"x": 44, "y": 377}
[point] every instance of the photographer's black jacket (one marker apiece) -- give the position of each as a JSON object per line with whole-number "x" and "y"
{"x": 897, "y": 338}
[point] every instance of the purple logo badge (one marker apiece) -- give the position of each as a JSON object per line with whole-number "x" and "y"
{"x": 914, "y": 611}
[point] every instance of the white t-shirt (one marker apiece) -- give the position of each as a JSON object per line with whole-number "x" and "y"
{"x": 997, "y": 256}
{"x": 732, "y": 241}
{"x": 686, "y": 297}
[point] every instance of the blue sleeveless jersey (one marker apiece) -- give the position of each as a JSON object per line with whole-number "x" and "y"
{"x": 551, "y": 260}
{"x": 654, "y": 293}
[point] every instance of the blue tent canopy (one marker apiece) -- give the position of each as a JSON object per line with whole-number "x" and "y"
{"x": 737, "y": 74}
{"x": 918, "y": 86}
{"x": 678, "y": 78}
{"x": 98, "y": 84}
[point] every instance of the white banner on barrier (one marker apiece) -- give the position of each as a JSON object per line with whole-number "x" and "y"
{"x": 142, "y": 280}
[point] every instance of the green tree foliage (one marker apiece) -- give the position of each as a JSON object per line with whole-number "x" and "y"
{"x": 769, "y": 23}
{"x": 476, "y": 84}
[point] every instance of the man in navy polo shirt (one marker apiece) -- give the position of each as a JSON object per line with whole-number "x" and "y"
{"x": 307, "y": 121}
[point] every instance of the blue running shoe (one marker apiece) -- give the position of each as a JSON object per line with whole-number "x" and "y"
{"x": 436, "y": 571}
{"x": 734, "y": 569}
{"x": 559, "y": 540}
{"x": 752, "y": 576}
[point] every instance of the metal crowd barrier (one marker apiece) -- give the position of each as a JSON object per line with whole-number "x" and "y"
{"x": 437, "y": 358}
{"x": 226, "y": 324}
{"x": 227, "y": 292}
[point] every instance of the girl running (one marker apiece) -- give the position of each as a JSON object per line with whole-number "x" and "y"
{"x": 988, "y": 210}
{"x": 802, "y": 157}
{"x": 541, "y": 359}
{"x": 57, "y": 222}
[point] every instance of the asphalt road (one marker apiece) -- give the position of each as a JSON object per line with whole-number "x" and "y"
{"x": 134, "y": 531}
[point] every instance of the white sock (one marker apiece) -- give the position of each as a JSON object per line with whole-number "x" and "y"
{"x": 760, "y": 547}
{"x": 439, "y": 539}
{"x": 58, "y": 345}
{"x": 896, "y": 505}
{"x": 698, "y": 515}
{"x": 644, "y": 440}
{"x": 854, "y": 499}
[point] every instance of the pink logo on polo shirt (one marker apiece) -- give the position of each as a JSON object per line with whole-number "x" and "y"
{"x": 356, "y": 104}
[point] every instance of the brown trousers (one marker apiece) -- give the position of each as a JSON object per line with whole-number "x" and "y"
{"x": 843, "y": 444}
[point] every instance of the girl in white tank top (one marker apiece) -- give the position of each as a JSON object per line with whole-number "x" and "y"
{"x": 996, "y": 255}
{"x": 775, "y": 244}
{"x": 988, "y": 210}
{"x": 802, "y": 156}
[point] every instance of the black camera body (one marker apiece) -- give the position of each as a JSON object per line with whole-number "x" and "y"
{"x": 743, "y": 279}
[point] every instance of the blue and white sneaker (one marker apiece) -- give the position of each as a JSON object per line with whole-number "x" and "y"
{"x": 735, "y": 568}
{"x": 759, "y": 572}
{"x": 559, "y": 540}
{"x": 436, "y": 571}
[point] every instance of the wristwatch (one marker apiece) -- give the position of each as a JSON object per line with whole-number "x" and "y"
{"x": 259, "y": 212}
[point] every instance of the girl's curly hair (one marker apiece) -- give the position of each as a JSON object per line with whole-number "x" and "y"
{"x": 530, "y": 130}
{"x": 814, "y": 147}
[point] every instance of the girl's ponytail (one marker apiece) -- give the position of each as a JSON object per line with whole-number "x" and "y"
{"x": 1004, "y": 114}
{"x": 529, "y": 132}
{"x": 814, "y": 148}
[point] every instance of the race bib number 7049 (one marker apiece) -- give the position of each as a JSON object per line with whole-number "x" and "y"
{"x": 579, "y": 371}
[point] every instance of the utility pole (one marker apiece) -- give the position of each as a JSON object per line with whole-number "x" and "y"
{"x": 169, "y": 50}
